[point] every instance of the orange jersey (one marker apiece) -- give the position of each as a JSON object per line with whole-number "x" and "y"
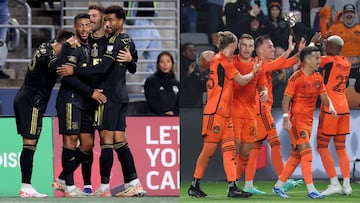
{"x": 304, "y": 90}
{"x": 244, "y": 105}
{"x": 220, "y": 85}
{"x": 270, "y": 66}
{"x": 336, "y": 70}
{"x": 351, "y": 37}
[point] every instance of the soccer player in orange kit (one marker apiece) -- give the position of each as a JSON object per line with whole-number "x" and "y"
{"x": 217, "y": 125}
{"x": 298, "y": 107}
{"x": 244, "y": 106}
{"x": 336, "y": 70}
{"x": 266, "y": 129}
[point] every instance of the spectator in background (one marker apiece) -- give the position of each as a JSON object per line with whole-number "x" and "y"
{"x": 261, "y": 4}
{"x": 337, "y": 6}
{"x": 4, "y": 19}
{"x": 242, "y": 18}
{"x": 281, "y": 28}
{"x": 162, "y": 88}
{"x": 150, "y": 35}
{"x": 193, "y": 78}
{"x": 256, "y": 28}
{"x": 237, "y": 15}
{"x": 300, "y": 30}
{"x": 279, "y": 80}
{"x": 349, "y": 31}
{"x": 214, "y": 17}
{"x": 188, "y": 15}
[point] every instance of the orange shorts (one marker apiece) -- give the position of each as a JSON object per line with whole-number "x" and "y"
{"x": 330, "y": 126}
{"x": 215, "y": 128}
{"x": 266, "y": 125}
{"x": 301, "y": 131}
{"x": 245, "y": 129}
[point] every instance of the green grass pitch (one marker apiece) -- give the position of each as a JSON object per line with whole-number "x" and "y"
{"x": 217, "y": 193}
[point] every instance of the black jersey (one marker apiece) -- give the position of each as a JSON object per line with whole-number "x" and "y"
{"x": 41, "y": 76}
{"x": 162, "y": 93}
{"x": 97, "y": 48}
{"x": 115, "y": 84}
{"x": 79, "y": 86}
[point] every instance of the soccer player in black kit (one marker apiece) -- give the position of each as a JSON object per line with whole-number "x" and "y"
{"x": 97, "y": 42}
{"x": 114, "y": 123}
{"x": 30, "y": 104}
{"x": 75, "y": 108}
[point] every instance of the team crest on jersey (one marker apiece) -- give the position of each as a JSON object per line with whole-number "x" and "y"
{"x": 317, "y": 84}
{"x": 175, "y": 89}
{"x": 74, "y": 125}
{"x": 110, "y": 48}
{"x": 95, "y": 50}
{"x": 302, "y": 134}
{"x": 216, "y": 129}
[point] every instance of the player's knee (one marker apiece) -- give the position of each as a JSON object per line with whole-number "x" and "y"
{"x": 70, "y": 143}
{"x": 87, "y": 147}
{"x": 339, "y": 147}
{"x": 306, "y": 155}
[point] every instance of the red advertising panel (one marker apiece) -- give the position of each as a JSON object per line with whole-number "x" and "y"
{"x": 154, "y": 142}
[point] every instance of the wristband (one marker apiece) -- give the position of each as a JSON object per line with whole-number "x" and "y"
{"x": 285, "y": 115}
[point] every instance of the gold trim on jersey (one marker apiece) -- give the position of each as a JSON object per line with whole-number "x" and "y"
{"x": 96, "y": 61}
{"x": 34, "y": 120}
{"x": 112, "y": 39}
{"x": 68, "y": 116}
{"x": 98, "y": 117}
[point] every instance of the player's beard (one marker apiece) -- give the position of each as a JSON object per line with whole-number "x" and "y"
{"x": 81, "y": 39}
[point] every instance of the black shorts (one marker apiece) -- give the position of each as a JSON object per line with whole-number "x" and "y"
{"x": 28, "y": 116}
{"x": 114, "y": 117}
{"x": 98, "y": 117}
{"x": 73, "y": 119}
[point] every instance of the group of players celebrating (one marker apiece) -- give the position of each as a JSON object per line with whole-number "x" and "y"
{"x": 92, "y": 64}
{"x": 237, "y": 114}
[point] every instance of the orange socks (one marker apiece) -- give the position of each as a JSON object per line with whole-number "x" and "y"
{"x": 306, "y": 168}
{"x": 228, "y": 152}
{"x": 339, "y": 141}
{"x": 326, "y": 158}
{"x": 250, "y": 170}
{"x": 290, "y": 166}
{"x": 203, "y": 159}
{"x": 241, "y": 165}
{"x": 276, "y": 155}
